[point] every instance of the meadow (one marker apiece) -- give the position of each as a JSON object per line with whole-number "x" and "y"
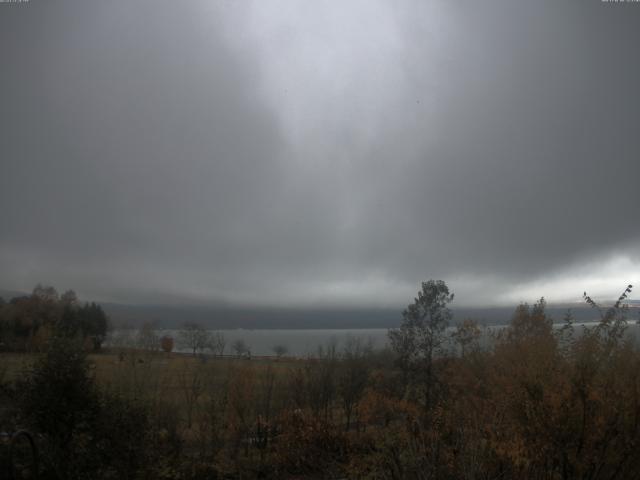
{"x": 539, "y": 401}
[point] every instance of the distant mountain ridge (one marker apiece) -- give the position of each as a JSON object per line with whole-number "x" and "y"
{"x": 9, "y": 294}
{"x": 172, "y": 316}
{"x": 334, "y": 318}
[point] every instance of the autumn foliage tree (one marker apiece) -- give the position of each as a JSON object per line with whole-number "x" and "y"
{"x": 29, "y": 322}
{"x": 166, "y": 343}
{"x": 534, "y": 400}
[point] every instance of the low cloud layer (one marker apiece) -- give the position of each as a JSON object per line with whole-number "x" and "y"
{"x": 282, "y": 153}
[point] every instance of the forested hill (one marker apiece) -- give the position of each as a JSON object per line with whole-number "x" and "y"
{"x": 169, "y": 316}
{"x": 216, "y": 317}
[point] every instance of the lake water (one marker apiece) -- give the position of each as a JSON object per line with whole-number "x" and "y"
{"x": 304, "y": 342}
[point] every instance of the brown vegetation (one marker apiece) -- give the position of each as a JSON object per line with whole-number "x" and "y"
{"x": 539, "y": 402}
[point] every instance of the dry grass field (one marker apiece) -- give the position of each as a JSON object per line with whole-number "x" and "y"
{"x": 189, "y": 385}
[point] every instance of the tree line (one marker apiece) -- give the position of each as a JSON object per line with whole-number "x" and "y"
{"x": 191, "y": 337}
{"x": 538, "y": 401}
{"x": 29, "y": 322}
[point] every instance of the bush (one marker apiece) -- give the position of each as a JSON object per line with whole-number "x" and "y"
{"x": 86, "y": 433}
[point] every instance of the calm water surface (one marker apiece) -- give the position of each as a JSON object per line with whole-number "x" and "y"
{"x": 306, "y": 342}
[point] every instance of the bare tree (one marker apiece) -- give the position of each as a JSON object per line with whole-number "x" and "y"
{"x": 240, "y": 347}
{"x": 320, "y": 380}
{"x": 194, "y": 337}
{"x": 69, "y": 298}
{"x": 45, "y": 293}
{"x": 353, "y": 375}
{"x": 265, "y": 391}
{"x": 147, "y": 337}
{"x": 280, "y": 350}
{"x": 211, "y": 425}
{"x": 217, "y": 343}
{"x": 192, "y": 385}
{"x": 467, "y": 335}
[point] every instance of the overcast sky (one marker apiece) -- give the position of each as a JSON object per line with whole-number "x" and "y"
{"x": 317, "y": 153}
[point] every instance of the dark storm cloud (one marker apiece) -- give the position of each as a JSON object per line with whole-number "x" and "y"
{"x": 134, "y": 140}
{"x": 340, "y": 153}
{"x": 536, "y": 140}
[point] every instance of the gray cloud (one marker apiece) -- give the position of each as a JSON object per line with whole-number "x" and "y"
{"x": 279, "y": 153}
